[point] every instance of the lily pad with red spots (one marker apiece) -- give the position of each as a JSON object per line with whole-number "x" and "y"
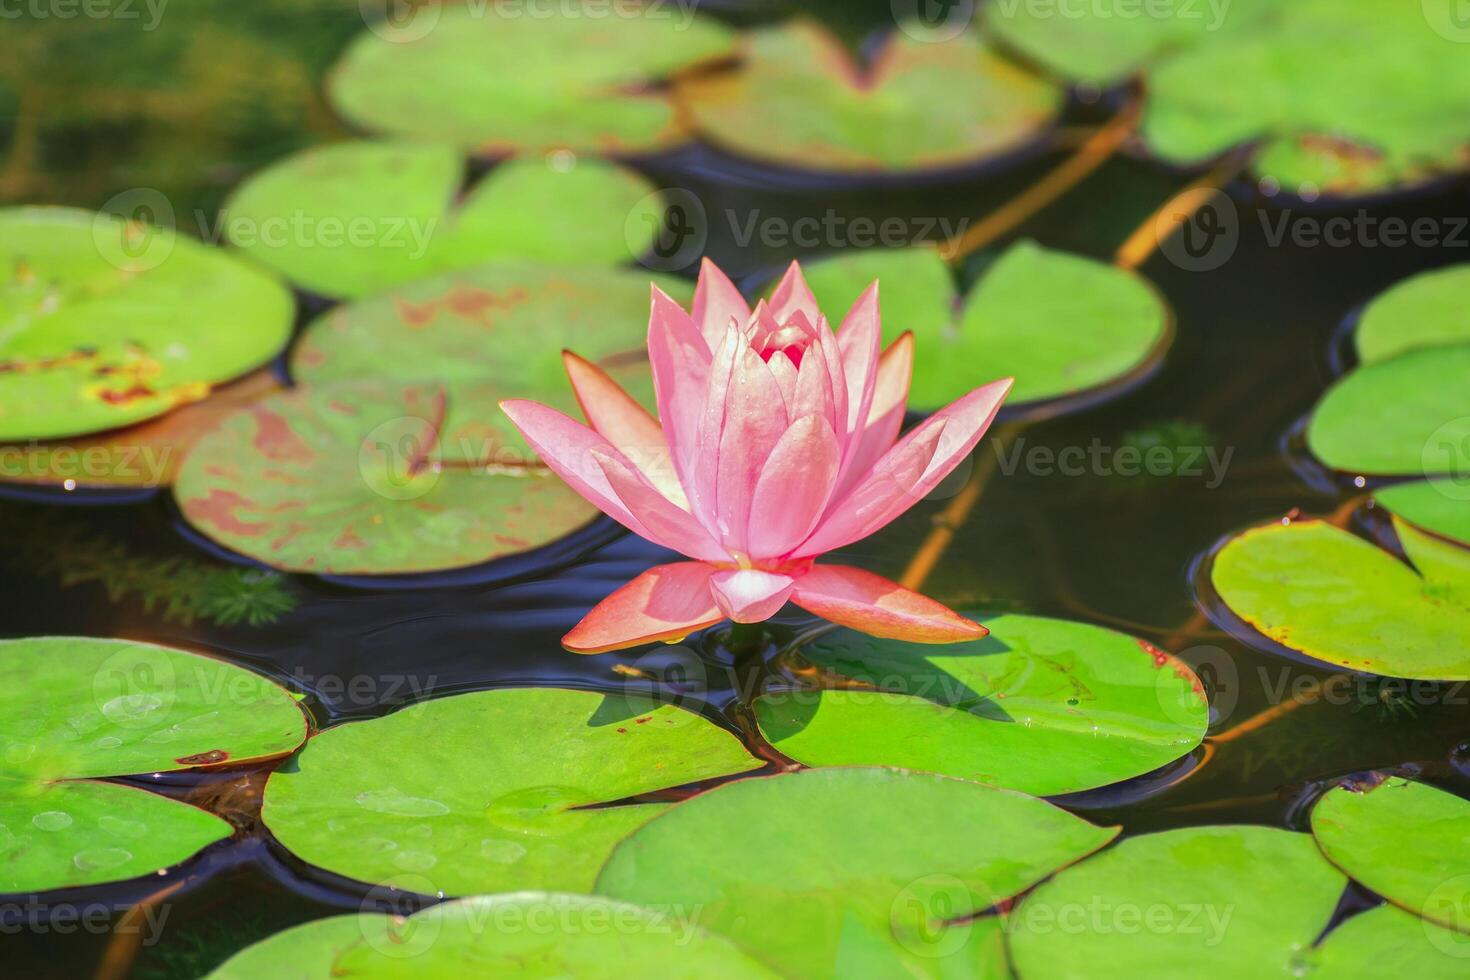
{"x": 1044, "y": 706}
{"x": 498, "y": 78}
{"x": 503, "y": 324}
{"x": 355, "y": 218}
{"x": 374, "y": 478}
{"x": 799, "y": 100}
{"x": 77, "y": 710}
{"x": 106, "y": 322}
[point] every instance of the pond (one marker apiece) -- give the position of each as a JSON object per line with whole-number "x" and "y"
{"x": 1219, "y": 530}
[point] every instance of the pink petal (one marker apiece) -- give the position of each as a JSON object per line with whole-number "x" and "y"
{"x": 748, "y": 595}
{"x": 794, "y": 487}
{"x": 837, "y": 379}
{"x": 616, "y": 416}
{"x": 664, "y": 523}
{"x": 871, "y": 604}
{"x": 716, "y": 303}
{"x": 792, "y": 295}
{"x": 894, "y": 484}
{"x": 785, "y": 374}
{"x": 680, "y": 360}
{"x": 566, "y": 446}
{"x": 667, "y": 602}
{"x": 860, "y": 341}
{"x": 886, "y": 414}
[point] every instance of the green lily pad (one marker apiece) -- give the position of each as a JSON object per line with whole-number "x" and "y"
{"x": 503, "y": 324}
{"x": 1324, "y": 592}
{"x": 489, "y": 793}
{"x": 1440, "y": 507}
{"x": 496, "y": 79}
{"x": 922, "y": 104}
{"x": 1405, "y": 416}
{"x": 1407, "y": 841}
{"x": 531, "y": 934}
{"x": 871, "y": 868}
{"x": 1060, "y": 324}
{"x": 75, "y": 709}
{"x": 1388, "y": 937}
{"x": 1044, "y": 706}
{"x": 1426, "y": 310}
{"x": 105, "y": 322}
{"x": 374, "y": 478}
{"x": 1319, "y": 84}
{"x": 1229, "y": 902}
{"x": 358, "y": 217}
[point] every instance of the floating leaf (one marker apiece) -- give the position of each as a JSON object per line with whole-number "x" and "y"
{"x": 1319, "y": 84}
{"x": 1324, "y": 592}
{"x": 922, "y": 103}
{"x": 1202, "y": 901}
{"x": 74, "y": 709}
{"x": 1438, "y": 506}
{"x": 1426, "y": 310}
{"x": 1059, "y": 324}
{"x": 146, "y": 455}
{"x": 495, "y": 80}
{"x": 491, "y": 796}
{"x": 1407, "y": 841}
{"x": 1405, "y": 416}
{"x": 101, "y": 322}
{"x": 531, "y": 934}
{"x": 374, "y": 478}
{"x": 359, "y": 217}
{"x": 871, "y": 868}
{"x": 503, "y": 324}
{"x": 1044, "y": 706}
{"x": 1387, "y": 937}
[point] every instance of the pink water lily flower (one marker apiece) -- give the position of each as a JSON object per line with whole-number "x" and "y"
{"x": 779, "y": 443}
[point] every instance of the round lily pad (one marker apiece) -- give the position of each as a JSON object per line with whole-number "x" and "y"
{"x": 74, "y": 709}
{"x": 1440, "y": 507}
{"x": 921, "y": 103}
{"x": 496, "y": 78}
{"x": 374, "y": 478}
{"x": 106, "y": 322}
{"x": 1320, "y": 85}
{"x": 1230, "y": 902}
{"x": 146, "y": 455}
{"x": 1044, "y": 706}
{"x": 504, "y": 324}
{"x": 1426, "y": 310}
{"x": 1388, "y": 937}
{"x": 1408, "y": 415}
{"x": 1060, "y": 324}
{"x": 1319, "y": 590}
{"x": 358, "y": 217}
{"x": 495, "y": 791}
{"x": 525, "y": 934}
{"x": 864, "y": 870}
{"x": 1407, "y": 841}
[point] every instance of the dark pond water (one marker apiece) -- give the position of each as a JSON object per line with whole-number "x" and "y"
{"x": 1252, "y": 354}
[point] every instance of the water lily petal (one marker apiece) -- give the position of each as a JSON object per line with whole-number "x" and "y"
{"x": 748, "y": 595}
{"x": 792, "y": 295}
{"x": 794, "y": 487}
{"x": 785, "y": 374}
{"x": 663, "y": 522}
{"x": 893, "y": 486}
{"x": 885, "y": 415}
{"x": 860, "y": 340}
{"x": 716, "y": 303}
{"x": 680, "y": 360}
{"x": 871, "y": 603}
{"x": 667, "y": 602}
{"x": 616, "y": 416}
